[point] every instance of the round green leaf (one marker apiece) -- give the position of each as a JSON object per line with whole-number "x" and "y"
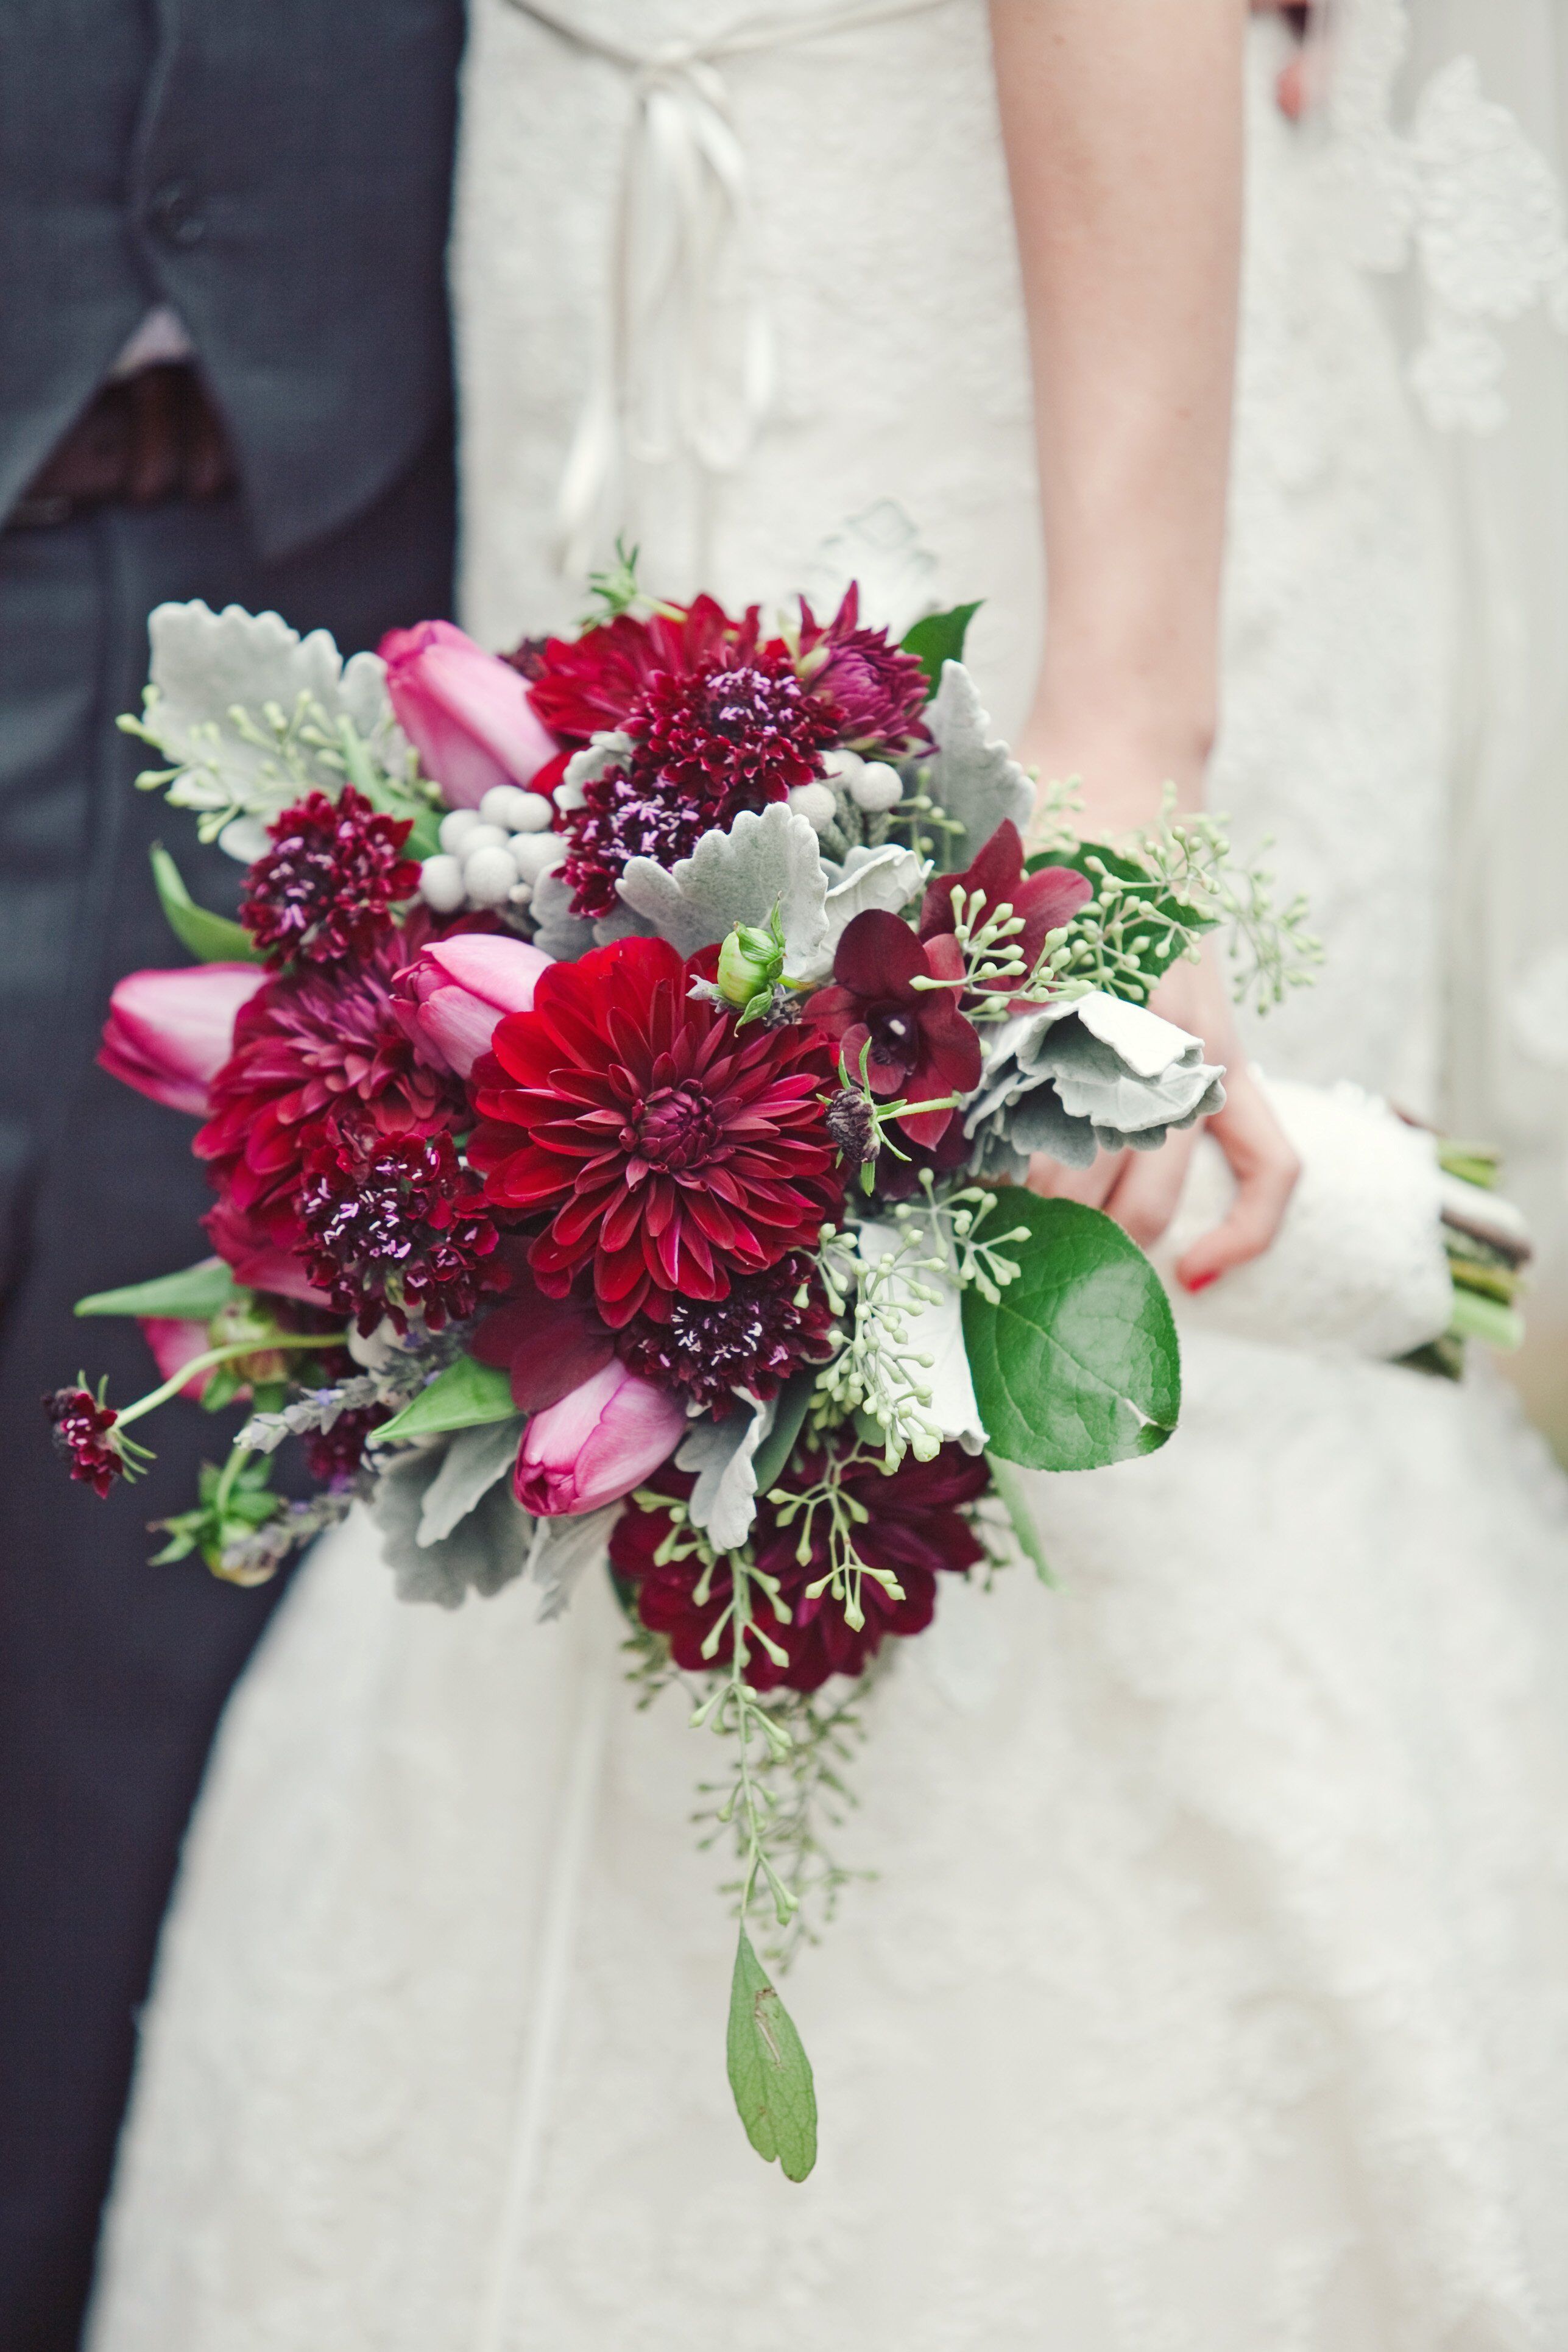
{"x": 1077, "y": 1365}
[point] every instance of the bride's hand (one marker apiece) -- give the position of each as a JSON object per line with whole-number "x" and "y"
{"x": 1141, "y": 1189}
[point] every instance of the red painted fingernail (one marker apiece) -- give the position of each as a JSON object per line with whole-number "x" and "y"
{"x": 1193, "y": 1284}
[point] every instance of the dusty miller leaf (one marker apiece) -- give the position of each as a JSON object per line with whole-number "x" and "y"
{"x": 484, "y": 1551}
{"x": 563, "y": 1548}
{"x": 766, "y": 859}
{"x": 472, "y": 1463}
{"x": 723, "y": 1454}
{"x": 974, "y": 777}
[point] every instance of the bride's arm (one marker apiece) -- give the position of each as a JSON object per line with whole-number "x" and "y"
{"x": 1122, "y": 121}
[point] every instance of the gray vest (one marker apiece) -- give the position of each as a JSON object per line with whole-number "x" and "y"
{"x": 280, "y": 172}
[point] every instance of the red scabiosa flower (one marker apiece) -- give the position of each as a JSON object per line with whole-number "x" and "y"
{"x": 85, "y": 1434}
{"x": 394, "y": 1224}
{"x": 914, "y": 1041}
{"x": 669, "y": 1151}
{"x": 878, "y": 691}
{"x": 734, "y": 734}
{"x": 308, "y": 1044}
{"x": 1042, "y": 901}
{"x": 332, "y": 1456}
{"x": 769, "y": 1326}
{"x": 913, "y": 1530}
{"x": 324, "y": 890}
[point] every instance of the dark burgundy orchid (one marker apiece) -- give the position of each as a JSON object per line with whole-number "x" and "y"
{"x": 1043, "y": 901}
{"x": 914, "y": 1041}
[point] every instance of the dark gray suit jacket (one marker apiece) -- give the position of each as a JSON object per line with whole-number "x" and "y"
{"x": 231, "y": 157}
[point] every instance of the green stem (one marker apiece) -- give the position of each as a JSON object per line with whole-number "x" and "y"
{"x": 278, "y": 1343}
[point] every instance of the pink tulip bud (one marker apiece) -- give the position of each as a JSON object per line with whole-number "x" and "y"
{"x": 451, "y": 997}
{"x": 169, "y": 1032}
{"x": 465, "y": 712}
{"x": 597, "y": 1443}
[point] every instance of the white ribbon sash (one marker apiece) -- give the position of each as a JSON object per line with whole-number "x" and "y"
{"x": 679, "y": 372}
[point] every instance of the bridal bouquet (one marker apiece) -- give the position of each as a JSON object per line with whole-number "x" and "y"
{"x": 617, "y": 1092}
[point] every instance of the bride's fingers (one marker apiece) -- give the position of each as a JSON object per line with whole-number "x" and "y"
{"x": 1090, "y": 1185}
{"x": 1145, "y": 1195}
{"x": 1265, "y": 1169}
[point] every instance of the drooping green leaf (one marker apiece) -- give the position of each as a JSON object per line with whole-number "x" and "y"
{"x": 938, "y": 638}
{"x": 779, "y": 1444}
{"x": 194, "y": 1297}
{"x": 464, "y": 1395}
{"x": 769, "y": 2072}
{"x": 1077, "y": 1365}
{"x": 1016, "y": 1503}
{"x": 211, "y": 939}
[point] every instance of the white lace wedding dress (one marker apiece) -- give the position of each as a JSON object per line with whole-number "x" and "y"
{"x": 1213, "y": 1996}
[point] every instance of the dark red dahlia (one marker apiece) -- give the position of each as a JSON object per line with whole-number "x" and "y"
{"x": 394, "y": 1223}
{"x": 914, "y": 1041}
{"x": 582, "y": 687}
{"x": 307, "y": 1044}
{"x": 878, "y": 691}
{"x": 332, "y": 1456}
{"x": 732, "y": 735}
{"x": 769, "y": 1326}
{"x": 670, "y": 1152}
{"x": 1043, "y": 901}
{"x": 325, "y": 890}
{"x": 914, "y": 1528}
{"x": 83, "y": 1429}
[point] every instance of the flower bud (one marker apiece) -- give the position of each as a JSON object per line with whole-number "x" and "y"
{"x": 465, "y": 712}
{"x": 452, "y": 996}
{"x": 602, "y": 1439}
{"x": 750, "y": 963}
{"x": 169, "y": 1032}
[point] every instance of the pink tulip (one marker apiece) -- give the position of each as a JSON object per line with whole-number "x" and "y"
{"x": 465, "y": 711}
{"x": 169, "y": 1032}
{"x": 451, "y": 997}
{"x": 174, "y": 1342}
{"x": 597, "y": 1443}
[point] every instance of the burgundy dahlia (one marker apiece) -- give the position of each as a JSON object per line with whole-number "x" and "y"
{"x": 324, "y": 890}
{"x": 769, "y": 1326}
{"x": 307, "y": 1044}
{"x": 670, "y": 1152}
{"x": 1043, "y": 901}
{"x": 580, "y": 686}
{"x": 878, "y": 691}
{"x": 914, "y": 1041}
{"x": 83, "y": 1427}
{"x": 915, "y": 1528}
{"x": 393, "y": 1224}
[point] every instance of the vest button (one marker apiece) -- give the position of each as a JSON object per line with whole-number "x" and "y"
{"x": 174, "y": 215}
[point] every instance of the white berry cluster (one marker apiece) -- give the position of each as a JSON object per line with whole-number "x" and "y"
{"x": 494, "y": 855}
{"x": 871, "y": 785}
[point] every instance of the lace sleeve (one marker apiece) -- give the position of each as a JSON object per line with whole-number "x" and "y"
{"x": 1463, "y": 191}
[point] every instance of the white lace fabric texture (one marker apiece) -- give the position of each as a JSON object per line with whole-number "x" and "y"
{"x": 1211, "y": 1996}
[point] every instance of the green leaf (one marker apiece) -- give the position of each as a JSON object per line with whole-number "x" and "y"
{"x": 464, "y": 1395}
{"x": 773, "y": 1453}
{"x": 938, "y": 638}
{"x": 194, "y": 1297}
{"x": 1487, "y": 1320}
{"x": 769, "y": 2072}
{"x": 1077, "y": 1365}
{"x": 211, "y": 939}
{"x": 1016, "y": 1503}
